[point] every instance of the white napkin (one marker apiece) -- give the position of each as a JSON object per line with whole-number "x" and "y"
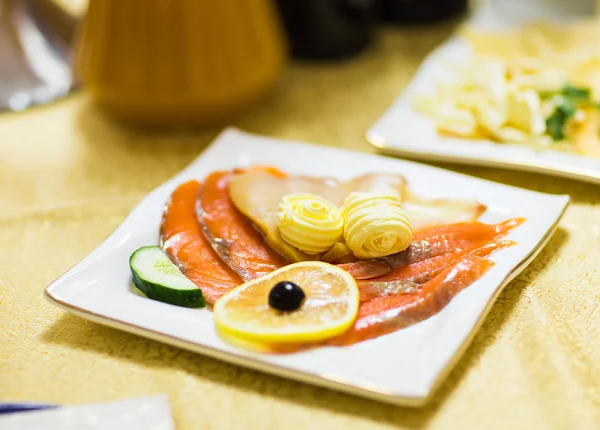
{"x": 144, "y": 413}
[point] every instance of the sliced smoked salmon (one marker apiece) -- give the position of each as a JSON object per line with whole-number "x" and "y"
{"x": 425, "y": 270}
{"x": 182, "y": 239}
{"x": 411, "y": 280}
{"x": 468, "y": 228}
{"x": 231, "y": 234}
{"x": 369, "y": 290}
{"x": 387, "y": 314}
{"x": 365, "y": 269}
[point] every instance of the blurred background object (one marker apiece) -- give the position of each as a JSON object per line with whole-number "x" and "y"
{"x": 542, "y": 9}
{"x": 182, "y": 62}
{"x": 421, "y": 11}
{"x": 13, "y": 408}
{"x": 135, "y": 413}
{"x": 500, "y": 15}
{"x": 34, "y": 53}
{"x": 177, "y": 62}
{"x": 328, "y": 29}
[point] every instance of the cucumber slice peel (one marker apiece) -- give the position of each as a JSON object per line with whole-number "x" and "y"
{"x": 155, "y": 275}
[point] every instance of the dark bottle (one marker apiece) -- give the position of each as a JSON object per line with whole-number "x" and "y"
{"x": 421, "y": 11}
{"x": 328, "y": 29}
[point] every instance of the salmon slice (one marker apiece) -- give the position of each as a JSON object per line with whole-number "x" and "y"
{"x": 182, "y": 240}
{"x": 365, "y": 269}
{"x": 449, "y": 239}
{"x": 419, "y": 250}
{"x": 468, "y": 228}
{"x": 413, "y": 280}
{"x": 372, "y": 290}
{"x": 384, "y": 315}
{"x": 424, "y": 271}
{"x": 231, "y": 235}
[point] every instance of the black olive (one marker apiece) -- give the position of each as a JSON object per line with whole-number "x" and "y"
{"x": 286, "y": 296}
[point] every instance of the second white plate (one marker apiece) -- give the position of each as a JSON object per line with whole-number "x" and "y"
{"x": 402, "y": 131}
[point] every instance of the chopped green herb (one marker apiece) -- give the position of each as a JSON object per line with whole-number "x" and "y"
{"x": 576, "y": 92}
{"x": 566, "y": 102}
{"x": 566, "y": 105}
{"x": 555, "y": 125}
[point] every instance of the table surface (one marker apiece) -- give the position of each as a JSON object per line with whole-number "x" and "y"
{"x": 69, "y": 175}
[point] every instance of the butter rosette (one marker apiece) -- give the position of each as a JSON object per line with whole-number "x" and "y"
{"x": 375, "y": 225}
{"x": 309, "y": 222}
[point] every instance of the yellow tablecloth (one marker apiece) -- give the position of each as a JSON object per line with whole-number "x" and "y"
{"x": 68, "y": 176}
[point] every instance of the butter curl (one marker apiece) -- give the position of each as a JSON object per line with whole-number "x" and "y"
{"x": 309, "y": 222}
{"x": 375, "y": 225}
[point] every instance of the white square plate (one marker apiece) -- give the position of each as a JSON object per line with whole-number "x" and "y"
{"x": 400, "y": 368}
{"x": 404, "y": 132}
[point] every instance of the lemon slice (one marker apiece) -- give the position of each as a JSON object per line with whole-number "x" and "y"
{"x": 249, "y": 345}
{"x": 329, "y": 308}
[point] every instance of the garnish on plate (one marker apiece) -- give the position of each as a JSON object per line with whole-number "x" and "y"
{"x": 286, "y": 296}
{"x": 158, "y": 278}
{"x": 329, "y": 308}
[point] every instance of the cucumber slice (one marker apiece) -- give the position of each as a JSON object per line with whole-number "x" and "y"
{"x": 159, "y": 279}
